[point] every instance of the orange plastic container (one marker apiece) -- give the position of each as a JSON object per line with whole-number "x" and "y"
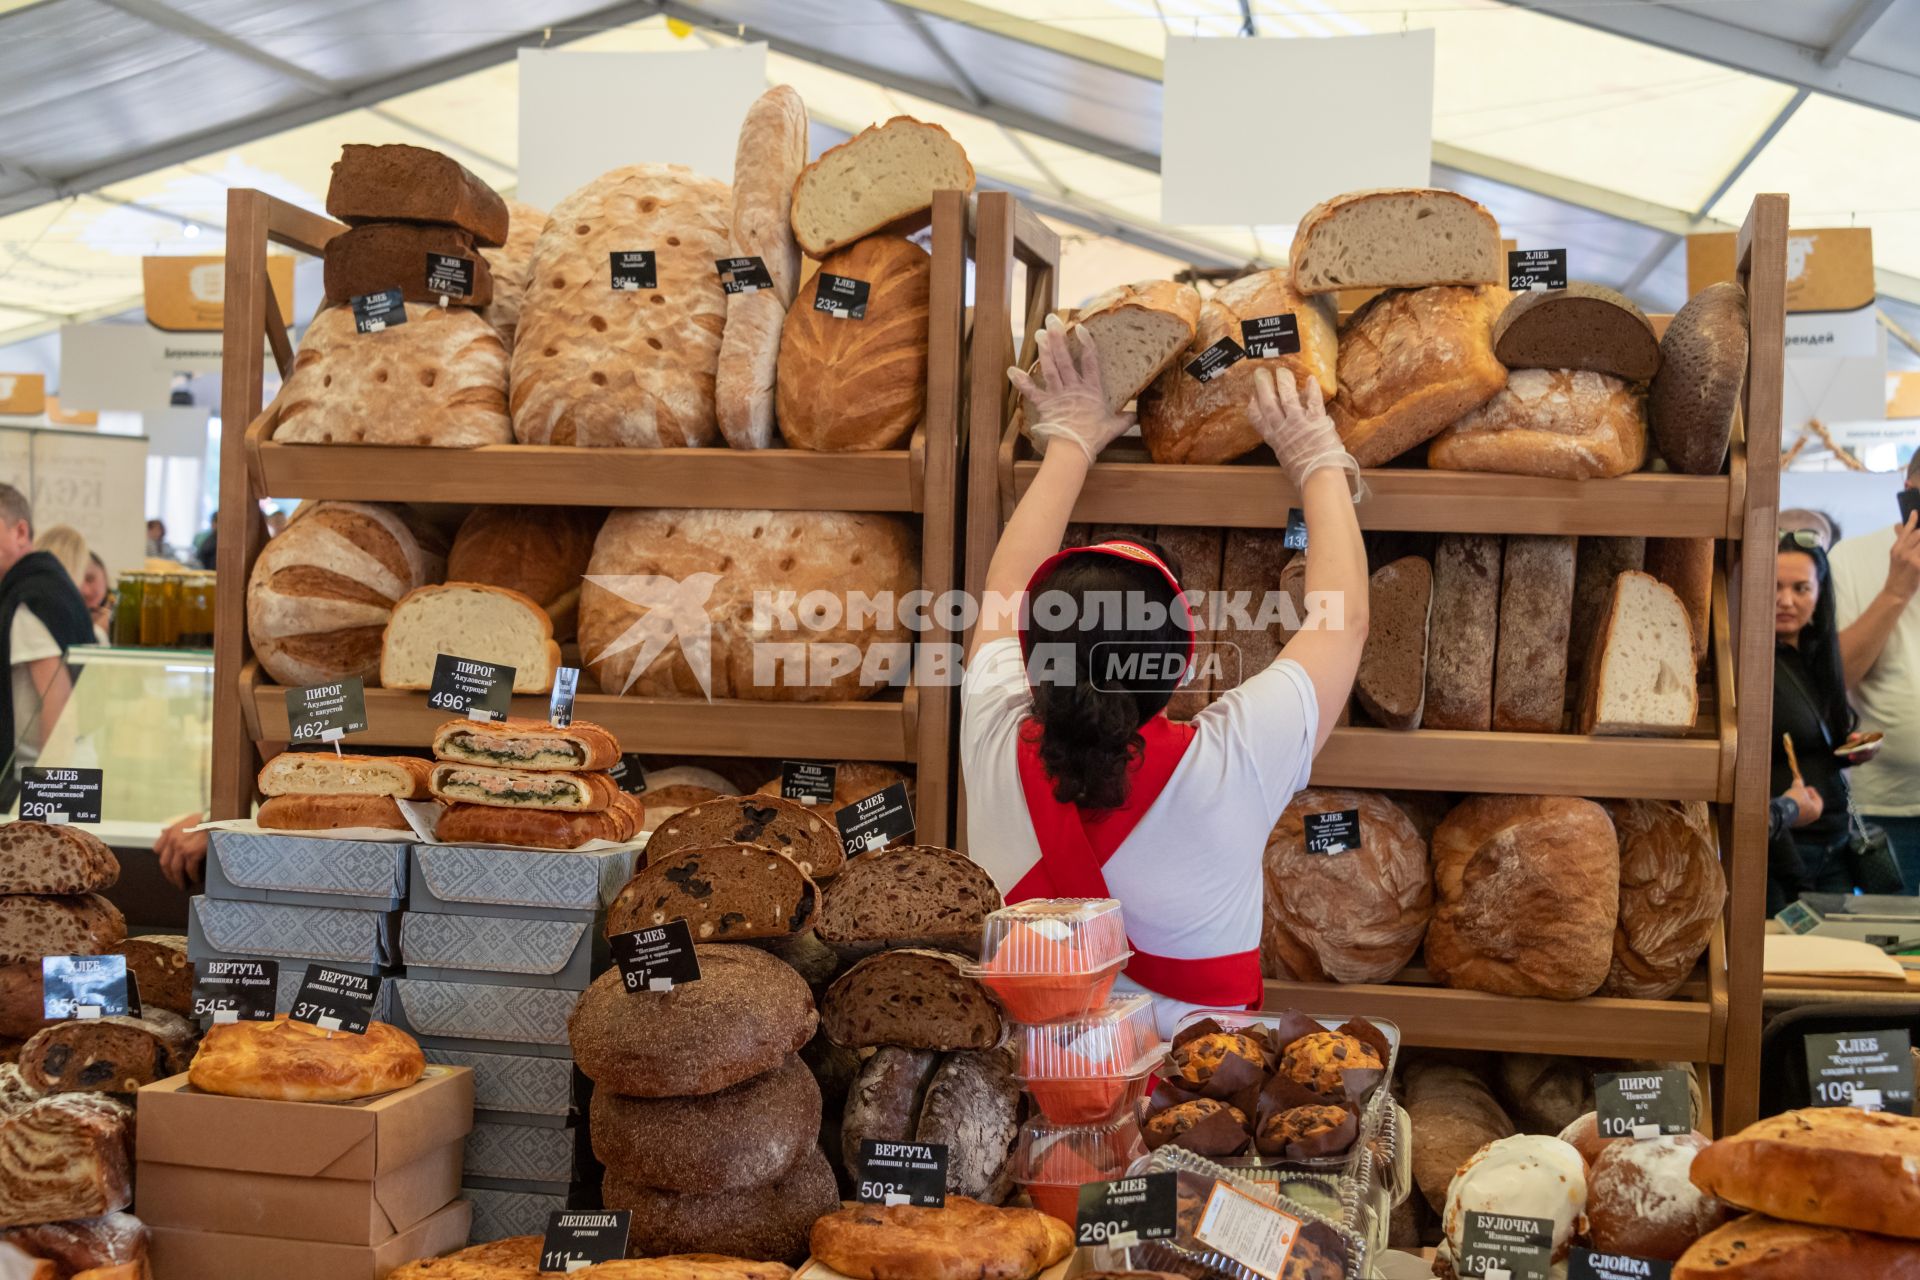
{"x": 1053, "y": 1161}
{"x": 1085, "y": 1070}
{"x": 1053, "y": 958}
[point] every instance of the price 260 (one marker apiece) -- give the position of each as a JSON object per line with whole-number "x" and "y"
{"x": 1098, "y": 1232}
{"x": 30, "y": 809}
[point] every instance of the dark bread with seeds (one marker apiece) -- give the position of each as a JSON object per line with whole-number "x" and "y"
{"x": 1691, "y": 403}
{"x": 158, "y": 963}
{"x": 774, "y": 1119}
{"x": 911, "y": 895}
{"x": 915, "y": 998}
{"x": 725, "y": 893}
{"x": 785, "y": 826}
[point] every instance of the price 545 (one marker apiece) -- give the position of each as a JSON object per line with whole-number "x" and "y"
{"x": 205, "y": 1006}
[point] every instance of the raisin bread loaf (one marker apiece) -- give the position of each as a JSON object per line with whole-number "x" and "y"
{"x": 725, "y": 893}
{"x": 786, "y": 827}
{"x": 158, "y": 964}
{"x": 909, "y": 895}
{"x": 916, "y": 998}
{"x": 108, "y": 1055}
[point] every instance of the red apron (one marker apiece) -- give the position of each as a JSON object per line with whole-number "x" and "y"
{"x": 1074, "y": 848}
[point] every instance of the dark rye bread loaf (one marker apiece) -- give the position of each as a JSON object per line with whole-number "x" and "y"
{"x": 785, "y": 826}
{"x": 884, "y": 1102}
{"x": 108, "y": 1055}
{"x": 1691, "y": 403}
{"x": 393, "y": 255}
{"x": 1583, "y": 326}
{"x": 158, "y": 963}
{"x": 672, "y": 1144}
{"x": 1536, "y": 608}
{"x": 742, "y": 1019}
{"x": 725, "y": 893}
{"x": 972, "y": 1107}
{"x": 915, "y": 998}
{"x": 22, "y": 1006}
{"x": 767, "y": 1223}
{"x": 911, "y": 895}
{"x": 1392, "y": 683}
{"x": 35, "y": 925}
{"x": 400, "y": 183}
{"x": 1461, "y": 636}
{"x": 39, "y": 857}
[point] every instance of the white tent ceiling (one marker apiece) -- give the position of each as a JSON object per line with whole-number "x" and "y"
{"x": 1610, "y": 126}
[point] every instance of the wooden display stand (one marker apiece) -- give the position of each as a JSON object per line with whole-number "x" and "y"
{"x": 1715, "y": 1018}
{"x": 917, "y": 480}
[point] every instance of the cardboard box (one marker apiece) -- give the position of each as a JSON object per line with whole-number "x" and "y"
{"x": 498, "y": 1215}
{"x": 529, "y": 1088}
{"x": 525, "y": 884}
{"x": 352, "y": 875}
{"x": 562, "y": 954}
{"x": 269, "y": 930}
{"x": 180, "y": 1254}
{"x": 527, "y": 1153}
{"x": 484, "y": 1018}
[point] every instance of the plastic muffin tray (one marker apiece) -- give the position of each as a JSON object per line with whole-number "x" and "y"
{"x": 1053, "y": 958}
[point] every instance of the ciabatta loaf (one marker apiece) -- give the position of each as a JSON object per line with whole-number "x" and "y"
{"x": 297, "y": 773}
{"x": 1641, "y": 678}
{"x": 883, "y": 174}
{"x": 1395, "y": 238}
{"x": 522, "y": 789}
{"x": 468, "y": 620}
{"x": 526, "y": 745}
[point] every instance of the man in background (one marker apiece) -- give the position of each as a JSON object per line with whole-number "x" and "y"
{"x": 1875, "y": 577}
{"x": 157, "y": 540}
{"x": 41, "y": 617}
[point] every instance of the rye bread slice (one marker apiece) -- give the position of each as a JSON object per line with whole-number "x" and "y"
{"x": 973, "y": 1107}
{"x": 884, "y": 1103}
{"x": 668, "y": 1143}
{"x": 785, "y": 826}
{"x": 725, "y": 893}
{"x": 39, "y": 857}
{"x": 1691, "y": 403}
{"x": 1392, "y": 683}
{"x": 909, "y": 896}
{"x": 918, "y": 999}
{"x": 742, "y": 1019}
{"x": 768, "y": 1223}
{"x": 1583, "y": 326}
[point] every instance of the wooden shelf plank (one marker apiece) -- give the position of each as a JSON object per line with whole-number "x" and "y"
{"x": 1442, "y": 1018}
{"x": 554, "y": 475}
{"x": 1522, "y": 763}
{"x": 666, "y": 726}
{"x": 1257, "y": 496}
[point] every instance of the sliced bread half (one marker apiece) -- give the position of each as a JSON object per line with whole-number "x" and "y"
{"x": 1139, "y": 329}
{"x": 1396, "y": 238}
{"x": 912, "y": 998}
{"x": 1392, "y": 683}
{"x": 911, "y": 895}
{"x": 881, "y": 175}
{"x": 785, "y": 826}
{"x": 1583, "y": 326}
{"x": 725, "y": 893}
{"x": 1640, "y": 678}
{"x": 468, "y": 620}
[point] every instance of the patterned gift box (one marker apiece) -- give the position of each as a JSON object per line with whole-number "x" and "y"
{"x": 537, "y": 884}
{"x": 485, "y": 1018}
{"x": 355, "y": 875}
{"x": 495, "y": 949}
{"x": 217, "y": 928}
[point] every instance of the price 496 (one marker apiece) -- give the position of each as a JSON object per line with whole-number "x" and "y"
{"x": 445, "y": 701}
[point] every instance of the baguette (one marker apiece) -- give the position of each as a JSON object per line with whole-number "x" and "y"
{"x": 520, "y": 789}
{"x": 329, "y": 813}
{"x": 537, "y": 828}
{"x": 526, "y": 745}
{"x": 316, "y": 773}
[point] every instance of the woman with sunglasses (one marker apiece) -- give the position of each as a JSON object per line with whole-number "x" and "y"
{"x": 1077, "y": 783}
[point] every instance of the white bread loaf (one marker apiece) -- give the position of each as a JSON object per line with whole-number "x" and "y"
{"x": 541, "y": 552}
{"x": 1569, "y": 424}
{"x": 512, "y": 265}
{"x": 1356, "y": 916}
{"x": 1671, "y": 892}
{"x": 322, "y": 590}
{"x": 1138, "y": 329}
{"x": 1185, "y": 420}
{"x": 438, "y": 380}
{"x": 602, "y": 367}
{"x": 469, "y": 620}
{"x": 1640, "y": 680}
{"x": 847, "y": 383}
{"x": 315, "y": 773}
{"x": 766, "y": 164}
{"x": 1411, "y": 363}
{"x": 884, "y": 174}
{"x": 1395, "y": 238}
{"x": 1597, "y": 562}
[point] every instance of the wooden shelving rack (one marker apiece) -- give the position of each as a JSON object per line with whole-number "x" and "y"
{"x": 1715, "y": 1019}
{"x": 918, "y": 481}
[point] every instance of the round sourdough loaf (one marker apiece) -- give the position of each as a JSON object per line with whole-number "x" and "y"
{"x": 849, "y": 383}
{"x": 1641, "y": 1201}
{"x": 1703, "y": 364}
{"x": 1356, "y": 916}
{"x": 512, "y": 264}
{"x": 918, "y": 999}
{"x": 724, "y": 892}
{"x": 769, "y": 1222}
{"x": 742, "y": 1019}
{"x": 910, "y": 895}
{"x": 1671, "y": 892}
{"x": 541, "y": 552}
{"x": 852, "y": 780}
{"x": 1412, "y": 361}
{"x": 322, "y": 590}
{"x": 1564, "y": 423}
{"x": 786, "y": 827}
{"x": 739, "y": 558}
{"x": 291, "y": 1061}
{"x": 669, "y": 1143}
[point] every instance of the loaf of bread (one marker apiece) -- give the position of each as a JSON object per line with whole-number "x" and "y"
{"x": 1253, "y": 561}
{"x": 378, "y": 256}
{"x": 1413, "y": 362}
{"x": 1356, "y": 916}
{"x": 725, "y": 893}
{"x": 766, "y": 164}
{"x": 512, "y": 266}
{"x": 745, "y": 381}
{"x": 1463, "y": 631}
{"x": 1640, "y": 677}
{"x": 886, "y": 173}
{"x": 787, "y": 827}
{"x": 468, "y": 620}
{"x": 523, "y": 744}
{"x": 767, "y": 1222}
{"x": 1671, "y": 893}
{"x": 682, "y": 1144}
{"x": 1686, "y": 565}
{"x": 678, "y": 788}
{"x": 1583, "y": 326}
{"x": 883, "y": 1103}
{"x": 88, "y": 1248}
{"x": 541, "y": 552}
{"x": 158, "y": 964}
{"x": 1183, "y": 419}
{"x": 1757, "y": 1247}
{"x": 742, "y": 1019}
{"x": 439, "y": 381}
{"x": 908, "y": 895}
{"x": 1395, "y": 238}
{"x": 964, "y": 1240}
{"x": 1536, "y": 609}
{"x": 915, "y": 998}
{"x": 463, "y": 823}
{"x": 1138, "y": 330}
{"x": 319, "y": 773}
{"x": 1641, "y": 1202}
{"x": 39, "y": 857}
{"x": 33, "y": 925}
{"x": 322, "y": 590}
{"x": 1567, "y": 424}
{"x": 397, "y": 182}
{"x": 1597, "y": 562}
{"x": 853, "y": 380}
{"x": 290, "y": 1061}
{"x": 972, "y": 1108}
{"x": 108, "y": 1055}
{"x": 1865, "y": 1166}
{"x": 599, "y": 366}
{"x": 1526, "y": 894}
{"x": 22, "y": 1003}
{"x": 743, "y": 554}
{"x": 1697, "y": 391}
{"x": 330, "y": 813}
{"x": 1392, "y": 681}
{"x": 62, "y": 1156}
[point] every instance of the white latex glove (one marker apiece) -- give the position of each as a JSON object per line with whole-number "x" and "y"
{"x": 1067, "y": 401}
{"x": 1302, "y": 436}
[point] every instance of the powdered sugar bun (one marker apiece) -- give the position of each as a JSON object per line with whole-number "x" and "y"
{"x": 1640, "y": 1199}
{"x": 1528, "y": 1176}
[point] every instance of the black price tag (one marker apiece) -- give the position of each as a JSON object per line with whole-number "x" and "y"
{"x": 875, "y": 821}
{"x": 335, "y": 1000}
{"x": 1871, "y": 1070}
{"x": 450, "y": 275}
{"x": 1502, "y": 1245}
{"x": 1121, "y": 1213}
{"x": 1590, "y": 1264}
{"x": 579, "y": 1238}
{"x": 633, "y": 269}
{"x": 841, "y": 297}
{"x": 60, "y": 796}
{"x": 327, "y": 712}
{"x": 656, "y": 959}
{"x": 1642, "y": 1104}
{"x": 1334, "y": 832}
{"x": 902, "y": 1173}
{"x": 1296, "y": 535}
{"x": 1216, "y": 360}
{"x": 235, "y": 990}
{"x": 86, "y": 987}
{"x": 628, "y": 775}
{"x": 465, "y": 686}
{"x": 807, "y": 781}
{"x": 566, "y": 681}
{"x": 1536, "y": 269}
{"x": 1265, "y": 337}
{"x": 744, "y": 275}
{"x": 373, "y": 312}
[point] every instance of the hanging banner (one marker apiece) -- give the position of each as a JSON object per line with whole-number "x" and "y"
{"x": 188, "y": 294}
{"x": 23, "y": 395}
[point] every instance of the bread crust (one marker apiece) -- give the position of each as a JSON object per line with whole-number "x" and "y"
{"x": 541, "y": 552}
{"x": 1566, "y": 424}
{"x": 298, "y": 1062}
{"x": 463, "y": 823}
{"x": 1832, "y": 1166}
{"x": 767, "y": 162}
{"x": 1412, "y": 362}
{"x": 1703, "y": 366}
{"x": 845, "y": 385}
{"x": 330, "y": 813}
{"x": 965, "y": 1240}
{"x": 598, "y": 749}
{"x": 400, "y": 777}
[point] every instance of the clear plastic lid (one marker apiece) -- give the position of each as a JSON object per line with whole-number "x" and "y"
{"x": 1054, "y": 937}
{"x": 1071, "y": 1155}
{"x": 1116, "y": 1042}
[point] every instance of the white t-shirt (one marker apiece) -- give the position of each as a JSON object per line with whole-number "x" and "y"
{"x": 28, "y": 642}
{"x": 1190, "y": 876}
{"x": 1888, "y": 700}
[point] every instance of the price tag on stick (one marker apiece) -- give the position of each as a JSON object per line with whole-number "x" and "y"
{"x": 875, "y": 821}
{"x": 327, "y": 712}
{"x": 576, "y": 1239}
{"x": 1642, "y": 1104}
{"x": 466, "y": 686}
{"x": 236, "y": 990}
{"x": 86, "y": 987}
{"x": 902, "y": 1173}
{"x": 1591, "y": 1264}
{"x": 656, "y": 959}
{"x": 807, "y": 781}
{"x": 560, "y": 706}
{"x": 1122, "y": 1213}
{"x": 336, "y": 1000}
{"x": 1872, "y": 1070}
{"x": 60, "y": 796}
